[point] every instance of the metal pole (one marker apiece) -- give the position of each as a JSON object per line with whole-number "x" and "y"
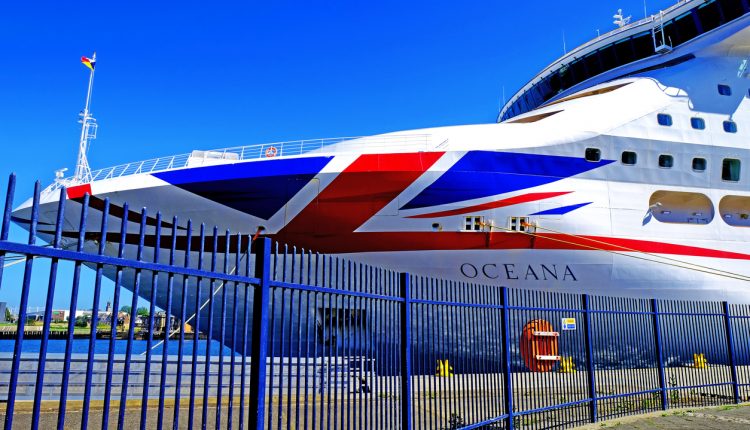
{"x": 730, "y": 348}
{"x": 82, "y": 165}
{"x": 259, "y": 350}
{"x": 507, "y": 377}
{"x": 590, "y": 359}
{"x": 659, "y": 354}
{"x": 406, "y": 411}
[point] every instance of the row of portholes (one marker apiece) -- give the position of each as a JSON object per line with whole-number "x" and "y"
{"x": 730, "y": 167}
{"x": 696, "y": 123}
{"x": 677, "y": 207}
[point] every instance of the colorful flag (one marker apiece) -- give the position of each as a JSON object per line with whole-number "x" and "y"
{"x": 88, "y": 62}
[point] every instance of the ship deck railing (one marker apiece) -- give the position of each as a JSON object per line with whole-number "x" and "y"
{"x": 197, "y": 158}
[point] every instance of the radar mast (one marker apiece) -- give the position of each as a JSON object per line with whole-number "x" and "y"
{"x": 88, "y": 128}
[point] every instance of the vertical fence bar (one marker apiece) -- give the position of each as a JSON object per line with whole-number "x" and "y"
{"x": 406, "y": 412}
{"x": 659, "y": 353}
{"x": 590, "y": 359}
{"x": 222, "y": 332}
{"x": 507, "y": 376}
{"x": 22, "y": 313}
{"x": 6, "y": 217}
{"x": 42, "y": 361}
{"x": 151, "y": 311}
{"x": 71, "y": 316}
{"x": 131, "y": 326}
{"x": 196, "y": 330}
{"x": 730, "y": 347}
{"x": 243, "y": 372}
{"x": 259, "y": 348}
{"x": 167, "y": 329}
{"x": 115, "y": 319}
{"x": 209, "y": 329}
{"x": 94, "y": 320}
{"x": 181, "y": 328}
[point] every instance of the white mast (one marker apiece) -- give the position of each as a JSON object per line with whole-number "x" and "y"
{"x": 88, "y": 132}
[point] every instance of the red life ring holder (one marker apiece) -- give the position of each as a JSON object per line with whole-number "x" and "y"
{"x": 271, "y": 152}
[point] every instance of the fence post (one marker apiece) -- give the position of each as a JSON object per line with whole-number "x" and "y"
{"x": 590, "y": 359}
{"x": 730, "y": 347}
{"x": 259, "y": 349}
{"x": 507, "y": 380}
{"x": 405, "y": 284}
{"x": 659, "y": 354}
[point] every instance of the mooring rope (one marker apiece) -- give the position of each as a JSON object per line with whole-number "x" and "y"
{"x": 682, "y": 264}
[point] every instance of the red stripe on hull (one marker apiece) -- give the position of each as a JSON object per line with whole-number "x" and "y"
{"x": 455, "y": 241}
{"x": 525, "y": 198}
{"x": 359, "y": 192}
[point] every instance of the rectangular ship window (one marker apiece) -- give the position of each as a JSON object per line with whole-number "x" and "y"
{"x": 519, "y": 223}
{"x": 473, "y": 223}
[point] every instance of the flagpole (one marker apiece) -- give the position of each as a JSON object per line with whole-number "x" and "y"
{"x": 83, "y": 171}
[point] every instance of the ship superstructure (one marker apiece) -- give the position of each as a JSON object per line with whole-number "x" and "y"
{"x": 621, "y": 168}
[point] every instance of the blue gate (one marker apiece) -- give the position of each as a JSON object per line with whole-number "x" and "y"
{"x": 241, "y": 332}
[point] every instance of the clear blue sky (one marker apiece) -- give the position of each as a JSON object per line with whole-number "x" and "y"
{"x": 176, "y": 76}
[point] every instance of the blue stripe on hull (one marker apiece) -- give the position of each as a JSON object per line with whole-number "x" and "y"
{"x": 259, "y": 188}
{"x": 487, "y": 173}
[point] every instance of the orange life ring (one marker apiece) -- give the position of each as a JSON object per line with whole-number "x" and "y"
{"x": 539, "y": 346}
{"x": 271, "y": 152}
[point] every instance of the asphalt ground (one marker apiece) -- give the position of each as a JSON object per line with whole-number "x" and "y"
{"x": 729, "y": 417}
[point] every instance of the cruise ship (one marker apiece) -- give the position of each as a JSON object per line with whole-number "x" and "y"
{"x": 622, "y": 168}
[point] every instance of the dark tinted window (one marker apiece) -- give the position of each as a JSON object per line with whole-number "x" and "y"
{"x": 666, "y": 161}
{"x": 624, "y": 51}
{"x": 699, "y": 164}
{"x": 644, "y": 45}
{"x": 664, "y": 119}
{"x": 608, "y": 58}
{"x": 731, "y": 8}
{"x": 629, "y": 158}
{"x": 578, "y": 72}
{"x": 591, "y": 62}
{"x": 725, "y": 90}
{"x": 697, "y": 123}
{"x": 709, "y": 15}
{"x": 593, "y": 154}
{"x": 684, "y": 29}
{"x": 730, "y": 169}
{"x": 730, "y": 126}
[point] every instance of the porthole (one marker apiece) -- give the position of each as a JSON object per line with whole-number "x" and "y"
{"x": 593, "y": 154}
{"x": 664, "y": 119}
{"x": 730, "y": 169}
{"x": 730, "y": 126}
{"x": 629, "y": 158}
{"x": 699, "y": 164}
{"x": 725, "y": 90}
{"x": 698, "y": 123}
{"x": 666, "y": 161}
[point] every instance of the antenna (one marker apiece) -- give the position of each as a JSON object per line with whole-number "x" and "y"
{"x": 565, "y": 49}
{"x": 620, "y": 19}
{"x": 88, "y": 129}
{"x": 645, "y": 12}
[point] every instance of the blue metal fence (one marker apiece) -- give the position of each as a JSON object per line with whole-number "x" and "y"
{"x": 267, "y": 335}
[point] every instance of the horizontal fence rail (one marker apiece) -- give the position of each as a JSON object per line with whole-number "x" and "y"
{"x": 190, "y": 327}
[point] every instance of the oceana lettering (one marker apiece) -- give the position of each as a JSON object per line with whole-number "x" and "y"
{"x": 520, "y": 272}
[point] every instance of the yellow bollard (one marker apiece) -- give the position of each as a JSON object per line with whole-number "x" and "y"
{"x": 699, "y": 361}
{"x": 567, "y": 365}
{"x": 444, "y": 369}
